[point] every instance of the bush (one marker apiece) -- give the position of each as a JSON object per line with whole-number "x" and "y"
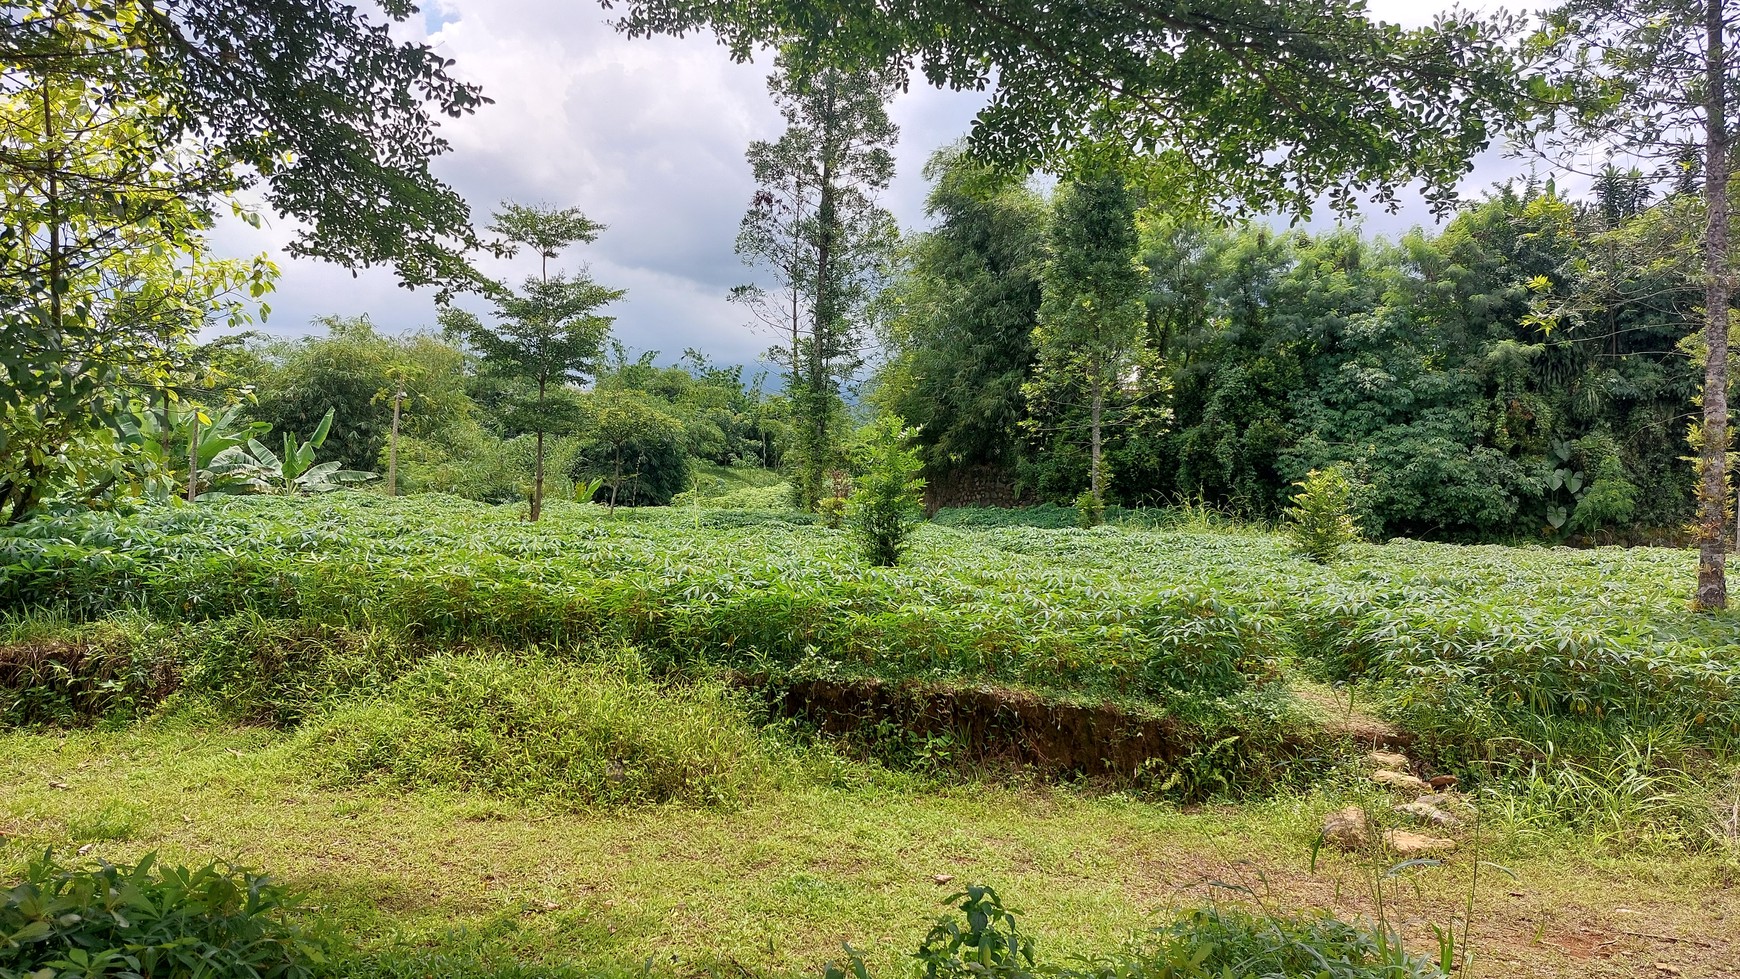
{"x": 885, "y": 506}
{"x": 154, "y": 922}
{"x": 1090, "y": 510}
{"x": 542, "y": 728}
{"x": 638, "y": 450}
{"x": 1321, "y": 519}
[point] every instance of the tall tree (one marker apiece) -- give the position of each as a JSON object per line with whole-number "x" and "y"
{"x": 126, "y": 126}
{"x": 1253, "y": 103}
{"x": 1653, "y": 79}
{"x": 548, "y": 333}
{"x": 816, "y": 227}
{"x": 104, "y": 275}
{"x": 1089, "y": 338}
{"x": 315, "y": 100}
{"x": 964, "y": 308}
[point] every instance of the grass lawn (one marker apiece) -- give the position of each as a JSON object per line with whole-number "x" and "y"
{"x": 776, "y": 886}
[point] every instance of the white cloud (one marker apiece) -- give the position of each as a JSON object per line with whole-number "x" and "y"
{"x": 644, "y": 135}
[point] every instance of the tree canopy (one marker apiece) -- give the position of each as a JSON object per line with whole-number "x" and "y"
{"x": 1249, "y": 104}
{"x": 315, "y": 100}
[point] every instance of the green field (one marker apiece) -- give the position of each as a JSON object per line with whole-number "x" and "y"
{"x": 692, "y": 739}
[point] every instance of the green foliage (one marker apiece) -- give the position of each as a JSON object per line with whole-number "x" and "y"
{"x": 534, "y": 727}
{"x": 208, "y": 86}
{"x": 963, "y": 313}
{"x": 146, "y": 919}
{"x": 1321, "y": 518}
{"x": 1206, "y": 943}
{"x": 1416, "y": 367}
{"x": 815, "y": 224}
{"x": 160, "y": 443}
{"x": 633, "y": 446}
{"x": 1316, "y": 99}
{"x": 886, "y": 502}
{"x": 259, "y": 469}
{"x": 990, "y": 945}
{"x": 244, "y": 667}
{"x": 548, "y": 334}
{"x": 726, "y": 420}
{"x": 105, "y": 275}
{"x": 355, "y": 371}
{"x": 1090, "y": 510}
{"x": 1088, "y": 340}
{"x": 765, "y": 595}
{"x": 1461, "y": 645}
{"x": 1213, "y": 942}
{"x": 1636, "y": 797}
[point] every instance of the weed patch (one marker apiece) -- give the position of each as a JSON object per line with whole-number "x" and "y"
{"x": 538, "y": 728}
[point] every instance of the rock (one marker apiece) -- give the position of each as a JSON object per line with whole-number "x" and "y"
{"x": 1442, "y": 781}
{"x": 1406, "y": 844}
{"x": 1425, "y": 812}
{"x": 1346, "y": 829}
{"x": 1389, "y": 761}
{"x": 1451, "y": 802}
{"x": 1398, "y": 781}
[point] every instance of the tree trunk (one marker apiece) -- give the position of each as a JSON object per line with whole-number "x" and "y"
{"x": 538, "y": 482}
{"x": 615, "y": 479}
{"x": 193, "y": 459}
{"x": 1713, "y": 489}
{"x": 538, "y": 466}
{"x": 393, "y": 447}
{"x": 56, "y": 267}
{"x": 816, "y": 385}
{"x": 1099, "y": 404}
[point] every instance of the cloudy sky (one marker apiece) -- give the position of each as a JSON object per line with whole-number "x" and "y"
{"x": 646, "y": 136}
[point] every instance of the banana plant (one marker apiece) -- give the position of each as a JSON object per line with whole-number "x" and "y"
{"x": 260, "y": 470}
{"x": 159, "y": 443}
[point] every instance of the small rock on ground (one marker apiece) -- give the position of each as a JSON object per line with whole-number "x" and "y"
{"x": 1451, "y": 802}
{"x": 1406, "y": 844}
{"x": 1346, "y": 829}
{"x": 1399, "y": 781}
{"x": 1427, "y": 813}
{"x": 1389, "y": 760}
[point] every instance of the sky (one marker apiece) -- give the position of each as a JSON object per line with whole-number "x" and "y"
{"x": 648, "y": 137}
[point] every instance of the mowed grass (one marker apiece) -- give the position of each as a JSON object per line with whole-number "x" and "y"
{"x": 775, "y": 886}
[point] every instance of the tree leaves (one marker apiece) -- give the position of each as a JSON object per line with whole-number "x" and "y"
{"x": 1248, "y": 104}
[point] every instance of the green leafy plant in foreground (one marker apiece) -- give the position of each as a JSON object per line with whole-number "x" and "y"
{"x": 1206, "y": 943}
{"x": 1321, "y": 519}
{"x": 149, "y": 921}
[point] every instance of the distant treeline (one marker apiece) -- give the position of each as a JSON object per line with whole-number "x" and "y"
{"x": 1523, "y": 372}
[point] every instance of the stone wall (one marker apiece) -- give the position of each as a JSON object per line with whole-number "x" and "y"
{"x": 986, "y": 486}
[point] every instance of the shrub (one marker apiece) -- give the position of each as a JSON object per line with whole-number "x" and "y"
{"x": 582, "y": 734}
{"x": 154, "y": 922}
{"x": 638, "y": 450}
{"x": 1090, "y": 510}
{"x": 1321, "y": 519}
{"x": 885, "y": 507}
